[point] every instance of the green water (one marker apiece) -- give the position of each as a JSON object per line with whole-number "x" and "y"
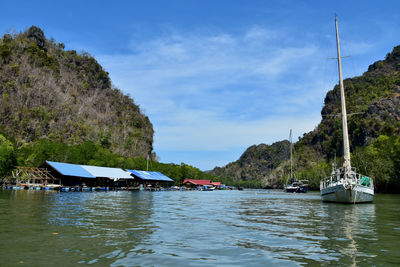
{"x": 240, "y": 228}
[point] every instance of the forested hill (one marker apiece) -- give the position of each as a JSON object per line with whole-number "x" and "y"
{"x": 256, "y": 163}
{"x": 60, "y": 105}
{"x": 65, "y": 96}
{"x": 374, "y": 129}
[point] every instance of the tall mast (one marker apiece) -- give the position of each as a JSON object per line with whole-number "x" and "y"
{"x": 346, "y": 147}
{"x": 291, "y": 152}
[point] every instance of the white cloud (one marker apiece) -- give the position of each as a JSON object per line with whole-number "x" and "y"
{"x": 217, "y": 92}
{"x": 259, "y": 34}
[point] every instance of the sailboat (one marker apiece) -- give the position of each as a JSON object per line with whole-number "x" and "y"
{"x": 345, "y": 185}
{"x": 296, "y": 186}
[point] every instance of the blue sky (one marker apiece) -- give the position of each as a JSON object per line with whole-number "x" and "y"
{"x": 216, "y": 77}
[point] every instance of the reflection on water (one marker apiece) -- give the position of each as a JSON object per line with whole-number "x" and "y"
{"x": 242, "y": 228}
{"x": 350, "y": 228}
{"x": 71, "y": 228}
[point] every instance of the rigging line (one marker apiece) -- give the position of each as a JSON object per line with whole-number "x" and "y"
{"x": 355, "y": 74}
{"x": 325, "y": 82}
{"x": 333, "y": 70}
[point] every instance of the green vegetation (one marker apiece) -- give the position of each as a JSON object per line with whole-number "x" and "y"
{"x": 314, "y": 175}
{"x": 381, "y": 161}
{"x": 256, "y": 166}
{"x": 7, "y": 155}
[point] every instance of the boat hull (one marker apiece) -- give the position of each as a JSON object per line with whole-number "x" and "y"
{"x": 338, "y": 193}
{"x": 291, "y": 189}
{"x": 296, "y": 189}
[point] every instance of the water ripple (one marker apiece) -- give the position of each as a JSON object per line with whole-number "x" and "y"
{"x": 241, "y": 228}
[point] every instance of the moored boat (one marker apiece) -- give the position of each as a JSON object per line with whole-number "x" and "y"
{"x": 296, "y": 186}
{"x": 345, "y": 185}
{"x": 300, "y": 186}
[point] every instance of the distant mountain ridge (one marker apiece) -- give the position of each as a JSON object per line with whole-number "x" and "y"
{"x": 257, "y": 163}
{"x": 47, "y": 92}
{"x": 373, "y": 97}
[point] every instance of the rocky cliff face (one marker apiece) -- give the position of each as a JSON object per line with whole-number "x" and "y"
{"x": 47, "y": 92}
{"x": 372, "y": 102}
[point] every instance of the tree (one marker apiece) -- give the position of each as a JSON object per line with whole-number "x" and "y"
{"x": 7, "y": 155}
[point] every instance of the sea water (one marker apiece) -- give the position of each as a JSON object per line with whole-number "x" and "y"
{"x": 192, "y": 228}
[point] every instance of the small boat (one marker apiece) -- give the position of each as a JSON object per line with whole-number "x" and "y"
{"x": 52, "y": 186}
{"x": 345, "y": 185}
{"x": 296, "y": 186}
{"x": 209, "y": 188}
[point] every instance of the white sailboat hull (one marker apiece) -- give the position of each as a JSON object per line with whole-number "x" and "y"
{"x": 356, "y": 194}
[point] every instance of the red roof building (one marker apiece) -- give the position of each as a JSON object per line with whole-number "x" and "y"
{"x": 194, "y": 183}
{"x": 217, "y": 184}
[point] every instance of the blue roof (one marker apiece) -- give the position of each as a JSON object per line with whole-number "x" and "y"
{"x": 86, "y": 171}
{"x": 70, "y": 169}
{"x": 154, "y": 176}
{"x": 114, "y": 173}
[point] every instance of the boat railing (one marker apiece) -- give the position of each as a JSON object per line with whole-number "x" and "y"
{"x": 364, "y": 180}
{"x": 329, "y": 181}
{"x": 352, "y": 178}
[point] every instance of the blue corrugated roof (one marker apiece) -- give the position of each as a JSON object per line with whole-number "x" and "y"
{"x": 155, "y": 176}
{"x": 114, "y": 173}
{"x": 86, "y": 171}
{"x": 70, "y": 169}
